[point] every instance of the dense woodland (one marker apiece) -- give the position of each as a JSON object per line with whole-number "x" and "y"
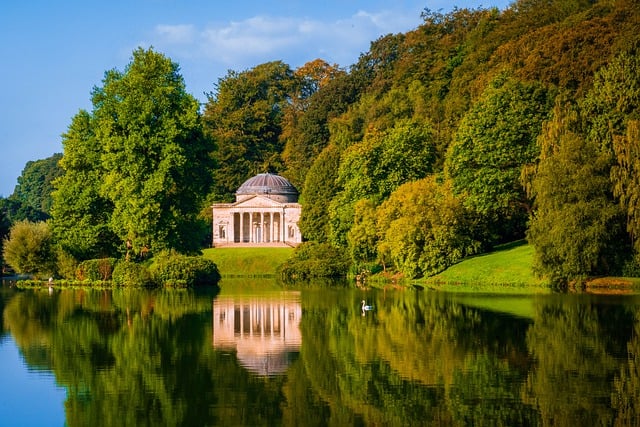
{"x": 477, "y": 128}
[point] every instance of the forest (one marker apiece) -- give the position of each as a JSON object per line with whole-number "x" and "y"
{"x": 479, "y": 127}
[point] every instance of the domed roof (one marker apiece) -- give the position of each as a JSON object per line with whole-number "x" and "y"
{"x": 267, "y": 183}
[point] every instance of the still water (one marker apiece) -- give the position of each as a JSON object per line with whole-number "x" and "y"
{"x": 256, "y": 354}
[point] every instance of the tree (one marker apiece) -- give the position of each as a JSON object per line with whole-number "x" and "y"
{"x": 35, "y": 183}
{"x": 4, "y": 231}
{"x": 577, "y": 228}
{"x": 314, "y": 75}
{"x": 154, "y": 154}
{"x": 495, "y": 139}
{"x": 374, "y": 168}
{"x": 244, "y": 117}
{"x": 326, "y": 92}
{"x": 29, "y": 248}
{"x": 81, "y": 214}
{"x": 319, "y": 189}
{"x": 611, "y": 110}
{"x": 362, "y": 238}
{"x": 15, "y": 210}
{"x": 626, "y": 179}
{"x": 423, "y": 228}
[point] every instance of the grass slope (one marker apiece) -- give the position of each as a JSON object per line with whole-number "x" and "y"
{"x": 507, "y": 269}
{"x": 247, "y": 262}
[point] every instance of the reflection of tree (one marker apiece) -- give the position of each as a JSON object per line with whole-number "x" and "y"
{"x": 5, "y": 295}
{"x": 412, "y": 362}
{"x": 625, "y": 398}
{"x": 573, "y": 343}
{"x": 131, "y": 357}
{"x": 486, "y": 393}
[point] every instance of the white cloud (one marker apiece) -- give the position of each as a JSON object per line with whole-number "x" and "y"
{"x": 241, "y": 44}
{"x": 176, "y": 34}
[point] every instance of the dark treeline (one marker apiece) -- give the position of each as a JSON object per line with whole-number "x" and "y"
{"x": 477, "y": 128}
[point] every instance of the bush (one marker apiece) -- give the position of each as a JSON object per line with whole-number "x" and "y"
{"x": 172, "y": 269}
{"x": 631, "y": 268}
{"x": 29, "y": 249}
{"x": 127, "y": 273}
{"x": 66, "y": 264}
{"x": 96, "y": 269}
{"x": 314, "y": 260}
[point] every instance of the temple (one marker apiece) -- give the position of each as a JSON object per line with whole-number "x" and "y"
{"x": 266, "y": 213}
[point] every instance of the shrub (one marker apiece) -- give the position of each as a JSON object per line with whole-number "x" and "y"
{"x": 66, "y": 264}
{"x": 29, "y": 249}
{"x": 96, "y": 269}
{"x": 127, "y": 273}
{"x": 314, "y": 260}
{"x": 172, "y": 269}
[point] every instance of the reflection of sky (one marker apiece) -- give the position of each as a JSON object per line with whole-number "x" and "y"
{"x": 27, "y": 398}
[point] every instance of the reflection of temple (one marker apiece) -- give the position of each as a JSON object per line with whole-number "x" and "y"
{"x": 264, "y": 332}
{"x": 265, "y": 213}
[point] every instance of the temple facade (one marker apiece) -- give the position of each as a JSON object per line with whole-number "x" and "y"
{"x": 266, "y": 213}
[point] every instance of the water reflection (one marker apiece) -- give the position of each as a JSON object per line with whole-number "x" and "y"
{"x": 308, "y": 357}
{"x": 264, "y": 332}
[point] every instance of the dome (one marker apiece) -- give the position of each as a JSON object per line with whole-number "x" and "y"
{"x": 268, "y": 184}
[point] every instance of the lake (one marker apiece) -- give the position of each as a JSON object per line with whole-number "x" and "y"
{"x": 257, "y": 354}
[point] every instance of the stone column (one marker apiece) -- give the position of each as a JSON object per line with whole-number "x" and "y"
{"x": 271, "y": 226}
{"x": 260, "y": 229}
{"x": 251, "y": 231}
{"x": 283, "y": 226}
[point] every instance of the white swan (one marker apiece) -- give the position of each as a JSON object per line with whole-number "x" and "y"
{"x": 366, "y": 307}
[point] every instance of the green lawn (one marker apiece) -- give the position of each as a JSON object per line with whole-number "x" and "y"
{"x": 248, "y": 262}
{"x": 506, "y": 269}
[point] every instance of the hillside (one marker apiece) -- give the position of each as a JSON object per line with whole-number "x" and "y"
{"x": 507, "y": 268}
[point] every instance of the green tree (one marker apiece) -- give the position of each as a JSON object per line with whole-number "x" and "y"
{"x": 612, "y": 111}
{"x": 305, "y": 130}
{"x": 4, "y": 231}
{"x": 244, "y": 117}
{"x": 15, "y": 210}
{"x": 374, "y": 168}
{"x": 423, "y": 228}
{"x": 577, "y": 228}
{"x": 362, "y": 238}
{"x": 155, "y": 155}
{"x": 32, "y": 197}
{"x": 495, "y": 139}
{"x": 29, "y": 248}
{"x": 319, "y": 189}
{"x": 35, "y": 183}
{"x": 626, "y": 179}
{"x": 315, "y": 260}
{"x": 81, "y": 215}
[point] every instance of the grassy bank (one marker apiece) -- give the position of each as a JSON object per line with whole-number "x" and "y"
{"x": 507, "y": 269}
{"x": 248, "y": 262}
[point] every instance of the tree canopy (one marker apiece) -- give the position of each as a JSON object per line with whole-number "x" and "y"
{"x": 134, "y": 164}
{"x": 244, "y": 117}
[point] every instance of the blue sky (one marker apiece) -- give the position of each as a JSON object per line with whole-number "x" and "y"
{"x": 54, "y": 52}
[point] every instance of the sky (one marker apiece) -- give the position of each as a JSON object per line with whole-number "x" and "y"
{"x": 53, "y": 53}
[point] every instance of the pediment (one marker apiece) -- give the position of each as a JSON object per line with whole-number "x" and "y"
{"x": 258, "y": 201}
